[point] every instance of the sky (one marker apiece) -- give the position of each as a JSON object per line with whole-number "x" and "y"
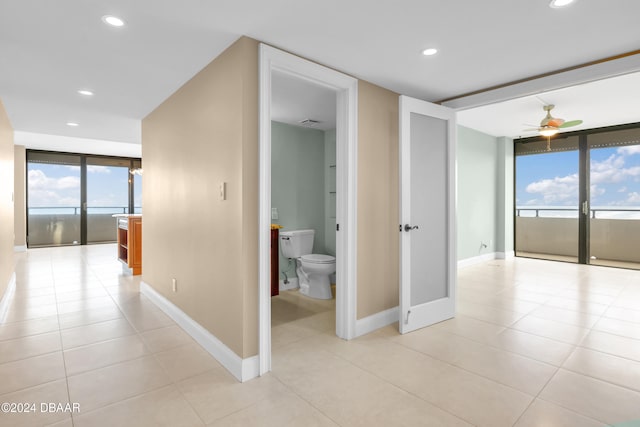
{"x": 551, "y": 179}
{"x": 55, "y": 186}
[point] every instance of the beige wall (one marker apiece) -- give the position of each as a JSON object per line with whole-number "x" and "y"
{"x": 19, "y": 202}
{"x": 378, "y": 199}
{"x": 6, "y": 201}
{"x": 204, "y": 134}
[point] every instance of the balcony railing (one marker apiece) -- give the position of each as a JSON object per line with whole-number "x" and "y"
{"x": 53, "y": 226}
{"x": 614, "y": 233}
{"x": 634, "y": 213}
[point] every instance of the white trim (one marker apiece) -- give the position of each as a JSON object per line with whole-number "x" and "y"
{"x": 478, "y": 259}
{"x": 22, "y": 248}
{"x": 505, "y": 255}
{"x": 591, "y": 73}
{"x": 377, "y": 321}
{"x": 346, "y": 149}
{"x": 242, "y": 369}
{"x": 441, "y": 309}
{"x": 5, "y": 301}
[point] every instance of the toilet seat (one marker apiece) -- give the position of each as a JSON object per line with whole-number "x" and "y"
{"x": 318, "y": 259}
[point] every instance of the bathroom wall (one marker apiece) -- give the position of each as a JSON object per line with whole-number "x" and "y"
{"x": 298, "y": 181}
{"x": 6, "y": 201}
{"x": 330, "y": 191}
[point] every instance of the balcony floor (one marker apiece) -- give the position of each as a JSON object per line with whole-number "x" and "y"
{"x": 563, "y": 258}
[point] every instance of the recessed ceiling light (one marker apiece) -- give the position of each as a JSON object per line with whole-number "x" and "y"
{"x": 113, "y": 20}
{"x": 85, "y": 92}
{"x": 72, "y": 124}
{"x": 556, "y": 4}
{"x": 430, "y": 51}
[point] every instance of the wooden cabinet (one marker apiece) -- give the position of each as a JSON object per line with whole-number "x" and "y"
{"x": 130, "y": 242}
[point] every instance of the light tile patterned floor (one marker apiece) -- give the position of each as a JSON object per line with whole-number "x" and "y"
{"x": 534, "y": 343}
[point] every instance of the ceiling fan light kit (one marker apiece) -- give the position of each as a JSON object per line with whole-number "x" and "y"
{"x": 557, "y": 4}
{"x": 548, "y": 131}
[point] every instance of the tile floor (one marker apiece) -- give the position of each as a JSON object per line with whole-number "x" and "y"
{"x": 534, "y": 343}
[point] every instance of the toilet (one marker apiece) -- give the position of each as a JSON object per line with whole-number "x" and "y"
{"x": 313, "y": 269}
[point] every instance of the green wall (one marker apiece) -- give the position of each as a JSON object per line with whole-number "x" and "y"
{"x": 330, "y": 191}
{"x": 478, "y": 213}
{"x": 505, "y": 196}
{"x": 299, "y": 182}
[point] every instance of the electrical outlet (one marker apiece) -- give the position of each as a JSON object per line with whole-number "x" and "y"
{"x": 174, "y": 283}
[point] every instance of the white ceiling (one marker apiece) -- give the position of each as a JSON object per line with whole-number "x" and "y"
{"x": 294, "y": 100}
{"x": 601, "y": 103}
{"x": 50, "y": 49}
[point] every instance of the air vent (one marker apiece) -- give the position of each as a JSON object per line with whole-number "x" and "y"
{"x": 309, "y": 122}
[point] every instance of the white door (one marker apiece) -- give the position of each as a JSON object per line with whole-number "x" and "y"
{"x": 427, "y": 212}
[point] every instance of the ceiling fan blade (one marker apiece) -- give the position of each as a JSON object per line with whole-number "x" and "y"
{"x": 555, "y": 122}
{"x": 570, "y": 123}
{"x": 530, "y": 130}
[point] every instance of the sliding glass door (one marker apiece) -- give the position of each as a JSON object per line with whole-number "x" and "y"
{"x": 107, "y": 194}
{"x": 615, "y": 199}
{"x": 71, "y": 197}
{"x": 53, "y": 199}
{"x": 547, "y": 200}
{"x": 579, "y": 200}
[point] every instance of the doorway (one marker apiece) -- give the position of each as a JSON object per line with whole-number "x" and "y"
{"x": 275, "y": 61}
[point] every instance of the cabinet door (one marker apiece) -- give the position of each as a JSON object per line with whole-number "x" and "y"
{"x": 135, "y": 243}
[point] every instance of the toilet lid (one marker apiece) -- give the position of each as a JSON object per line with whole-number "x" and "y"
{"x": 319, "y": 258}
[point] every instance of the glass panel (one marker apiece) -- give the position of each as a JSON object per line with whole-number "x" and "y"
{"x": 53, "y": 199}
{"x": 547, "y": 195}
{"x": 137, "y": 193}
{"x": 107, "y": 194}
{"x": 429, "y": 242}
{"x": 615, "y": 202}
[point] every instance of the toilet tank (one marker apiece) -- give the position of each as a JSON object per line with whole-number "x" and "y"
{"x": 296, "y": 243}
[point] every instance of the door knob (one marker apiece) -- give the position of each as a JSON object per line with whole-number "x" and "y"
{"x": 407, "y": 227}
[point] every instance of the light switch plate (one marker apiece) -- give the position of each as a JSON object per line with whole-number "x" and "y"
{"x": 274, "y": 213}
{"x": 223, "y": 191}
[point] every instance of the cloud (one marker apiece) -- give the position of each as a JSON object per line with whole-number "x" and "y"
{"x": 629, "y": 150}
{"x": 559, "y": 190}
{"x": 47, "y": 191}
{"x": 606, "y": 176}
{"x": 98, "y": 169}
{"x": 633, "y": 198}
{"x": 38, "y": 180}
{"x": 612, "y": 170}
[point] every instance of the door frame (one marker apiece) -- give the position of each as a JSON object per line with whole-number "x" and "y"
{"x": 407, "y": 105}
{"x": 346, "y": 87}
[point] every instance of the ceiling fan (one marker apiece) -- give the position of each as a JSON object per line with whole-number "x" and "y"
{"x": 550, "y": 125}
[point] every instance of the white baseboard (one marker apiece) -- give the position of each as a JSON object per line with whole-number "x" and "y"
{"x": 377, "y": 321}
{"x": 477, "y": 259}
{"x": 22, "y": 248}
{"x": 242, "y": 369}
{"x": 6, "y": 298}
{"x": 505, "y": 255}
{"x": 293, "y": 284}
